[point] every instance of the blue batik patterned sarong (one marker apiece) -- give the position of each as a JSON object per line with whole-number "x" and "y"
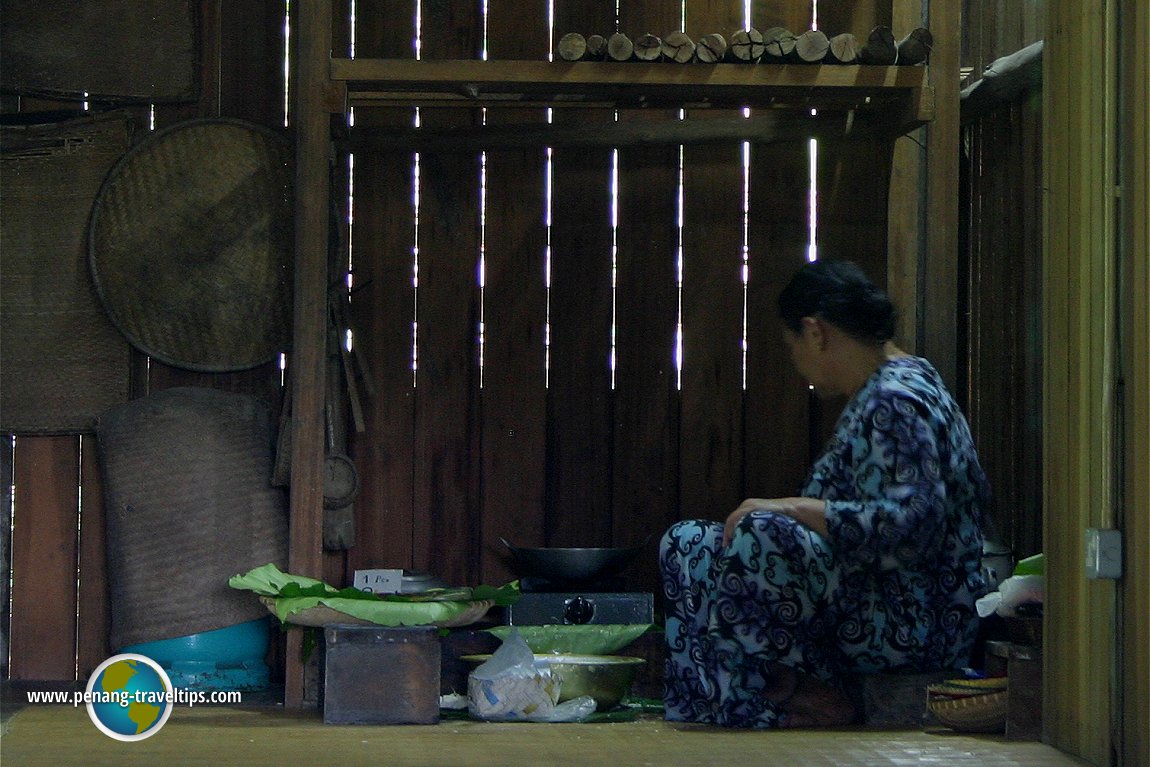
{"x": 891, "y": 588}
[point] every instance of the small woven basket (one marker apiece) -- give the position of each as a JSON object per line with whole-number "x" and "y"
{"x": 969, "y": 705}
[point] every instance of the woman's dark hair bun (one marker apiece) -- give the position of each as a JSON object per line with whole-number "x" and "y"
{"x": 838, "y": 292}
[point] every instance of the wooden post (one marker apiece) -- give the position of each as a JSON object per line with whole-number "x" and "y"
{"x": 940, "y": 272}
{"x": 308, "y": 358}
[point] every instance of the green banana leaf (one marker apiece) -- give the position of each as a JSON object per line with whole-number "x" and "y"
{"x": 295, "y": 593}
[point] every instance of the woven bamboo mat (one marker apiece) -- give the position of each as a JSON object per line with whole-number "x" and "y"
{"x": 63, "y": 362}
{"x": 56, "y": 735}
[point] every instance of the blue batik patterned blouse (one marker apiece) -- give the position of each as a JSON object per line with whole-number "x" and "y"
{"x": 905, "y": 499}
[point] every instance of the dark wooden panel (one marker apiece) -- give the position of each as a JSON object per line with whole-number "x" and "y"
{"x": 515, "y": 313}
{"x": 781, "y": 13}
{"x": 579, "y": 398}
{"x": 5, "y": 547}
{"x": 646, "y": 458}
{"x": 777, "y": 451}
{"x": 120, "y": 49}
{"x": 94, "y": 609}
{"x": 711, "y": 446}
{"x": 43, "y": 634}
{"x": 1002, "y": 328}
{"x": 383, "y": 312}
{"x": 853, "y": 180}
{"x": 446, "y": 530}
{"x": 251, "y": 51}
{"x": 579, "y": 419}
{"x": 858, "y": 17}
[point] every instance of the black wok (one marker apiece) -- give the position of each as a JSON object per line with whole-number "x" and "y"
{"x": 571, "y": 564}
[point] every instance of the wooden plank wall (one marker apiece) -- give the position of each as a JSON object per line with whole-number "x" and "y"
{"x": 1001, "y": 246}
{"x": 546, "y": 406}
{"x": 525, "y": 376}
{"x": 59, "y": 606}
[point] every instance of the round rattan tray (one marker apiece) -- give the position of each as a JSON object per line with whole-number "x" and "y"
{"x": 969, "y": 705}
{"x": 190, "y": 245}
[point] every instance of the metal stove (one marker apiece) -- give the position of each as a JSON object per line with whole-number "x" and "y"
{"x": 546, "y": 601}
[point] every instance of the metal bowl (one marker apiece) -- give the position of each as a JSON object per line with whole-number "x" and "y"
{"x": 571, "y": 564}
{"x": 606, "y": 678}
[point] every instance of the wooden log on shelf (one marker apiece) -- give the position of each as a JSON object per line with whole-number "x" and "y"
{"x": 915, "y": 47}
{"x": 811, "y": 46}
{"x": 596, "y": 47}
{"x": 880, "y": 48}
{"x": 712, "y": 48}
{"x": 648, "y": 47}
{"x": 572, "y": 46}
{"x": 844, "y": 49}
{"x": 620, "y": 47}
{"x": 678, "y": 47}
{"x": 747, "y": 45}
{"x": 778, "y": 44}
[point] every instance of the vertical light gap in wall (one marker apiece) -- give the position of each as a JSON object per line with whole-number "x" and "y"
{"x": 745, "y": 271}
{"x": 746, "y": 266}
{"x": 287, "y": 61}
{"x": 813, "y": 200}
{"x": 548, "y": 179}
{"x": 79, "y": 575}
{"x": 349, "y": 337}
{"x": 679, "y": 273}
{"x": 10, "y": 447}
{"x": 813, "y": 154}
{"x": 415, "y": 201}
{"x": 548, "y": 183}
{"x": 151, "y": 116}
{"x": 416, "y": 181}
{"x": 481, "y": 267}
{"x": 614, "y": 259}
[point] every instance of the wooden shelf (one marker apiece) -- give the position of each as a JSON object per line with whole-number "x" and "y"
{"x": 902, "y": 92}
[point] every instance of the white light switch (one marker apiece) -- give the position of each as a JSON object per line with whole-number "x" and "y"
{"x": 1103, "y": 553}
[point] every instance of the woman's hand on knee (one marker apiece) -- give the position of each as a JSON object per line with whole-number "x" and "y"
{"x": 745, "y": 508}
{"x": 810, "y": 512}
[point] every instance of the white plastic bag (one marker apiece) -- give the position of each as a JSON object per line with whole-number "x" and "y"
{"x": 511, "y": 687}
{"x": 1012, "y": 592}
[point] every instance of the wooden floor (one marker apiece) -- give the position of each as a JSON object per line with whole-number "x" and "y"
{"x": 267, "y": 735}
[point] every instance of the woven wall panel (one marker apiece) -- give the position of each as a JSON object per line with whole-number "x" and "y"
{"x": 61, "y": 360}
{"x": 137, "y": 50}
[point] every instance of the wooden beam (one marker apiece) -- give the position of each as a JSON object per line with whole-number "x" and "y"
{"x": 308, "y": 355}
{"x": 938, "y": 336}
{"x": 766, "y": 128}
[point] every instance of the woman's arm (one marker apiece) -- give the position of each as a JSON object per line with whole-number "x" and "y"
{"x": 810, "y": 512}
